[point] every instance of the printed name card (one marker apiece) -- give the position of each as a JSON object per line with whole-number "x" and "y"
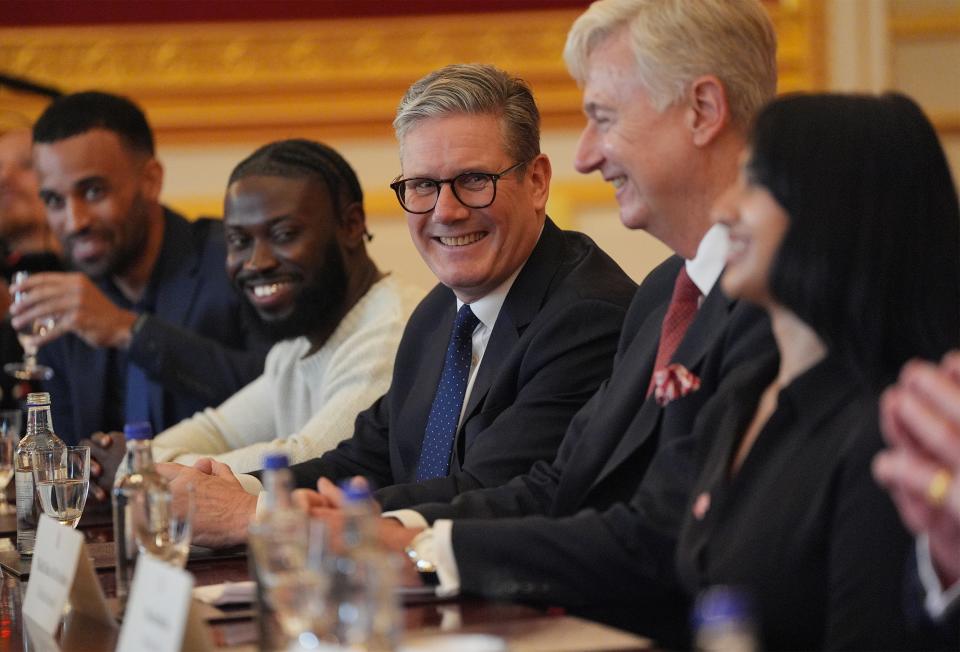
{"x": 160, "y": 616}
{"x": 61, "y": 570}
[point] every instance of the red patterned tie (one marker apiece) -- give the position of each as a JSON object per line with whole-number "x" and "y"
{"x": 680, "y": 314}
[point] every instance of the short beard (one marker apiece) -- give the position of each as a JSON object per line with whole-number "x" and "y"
{"x": 318, "y": 307}
{"x": 127, "y": 249}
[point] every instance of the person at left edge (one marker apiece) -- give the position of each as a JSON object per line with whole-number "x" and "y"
{"x": 26, "y": 243}
{"x": 148, "y": 327}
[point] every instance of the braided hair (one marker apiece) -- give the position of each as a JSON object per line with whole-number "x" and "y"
{"x": 299, "y": 158}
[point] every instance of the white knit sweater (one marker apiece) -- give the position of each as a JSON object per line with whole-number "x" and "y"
{"x": 302, "y": 406}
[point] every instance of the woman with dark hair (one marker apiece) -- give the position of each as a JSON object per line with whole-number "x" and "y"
{"x": 845, "y": 227}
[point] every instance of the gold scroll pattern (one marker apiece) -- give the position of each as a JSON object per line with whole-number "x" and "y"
{"x": 222, "y": 82}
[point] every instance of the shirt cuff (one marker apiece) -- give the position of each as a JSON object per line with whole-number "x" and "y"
{"x": 938, "y": 600}
{"x": 252, "y": 486}
{"x": 408, "y": 518}
{"x": 163, "y": 454}
{"x": 436, "y": 545}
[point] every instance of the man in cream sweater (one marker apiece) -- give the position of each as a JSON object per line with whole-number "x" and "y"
{"x": 295, "y": 230}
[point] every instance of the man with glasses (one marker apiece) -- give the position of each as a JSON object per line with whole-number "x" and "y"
{"x": 499, "y": 356}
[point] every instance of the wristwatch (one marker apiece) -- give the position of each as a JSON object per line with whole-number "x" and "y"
{"x": 426, "y": 568}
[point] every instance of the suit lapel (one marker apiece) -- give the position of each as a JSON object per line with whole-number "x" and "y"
{"x": 502, "y": 340}
{"x": 697, "y": 341}
{"x": 178, "y": 280}
{"x": 521, "y": 306}
{"x": 177, "y": 286}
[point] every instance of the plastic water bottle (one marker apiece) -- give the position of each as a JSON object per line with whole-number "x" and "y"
{"x": 363, "y": 579}
{"x": 136, "y": 476}
{"x": 40, "y": 436}
{"x": 278, "y": 542}
{"x": 723, "y": 621}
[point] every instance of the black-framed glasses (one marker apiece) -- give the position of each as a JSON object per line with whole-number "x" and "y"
{"x": 472, "y": 189}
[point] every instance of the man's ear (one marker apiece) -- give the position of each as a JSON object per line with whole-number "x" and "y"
{"x": 708, "y": 112}
{"x": 540, "y": 173}
{"x": 152, "y": 179}
{"x": 353, "y": 225}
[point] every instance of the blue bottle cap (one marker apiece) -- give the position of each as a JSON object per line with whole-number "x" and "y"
{"x": 722, "y": 604}
{"x": 273, "y": 461}
{"x": 138, "y": 430}
{"x": 355, "y": 491}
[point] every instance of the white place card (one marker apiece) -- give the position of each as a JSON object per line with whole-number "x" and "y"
{"x": 40, "y": 640}
{"x": 60, "y": 571}
{"x": 160, "y": 615}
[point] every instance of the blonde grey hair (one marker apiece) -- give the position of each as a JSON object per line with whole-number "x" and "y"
{"x": 475, "y": 89}
{"x": 676, "y": 41}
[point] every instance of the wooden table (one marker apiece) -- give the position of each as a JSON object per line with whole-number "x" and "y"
{"x": 524, "y": 628}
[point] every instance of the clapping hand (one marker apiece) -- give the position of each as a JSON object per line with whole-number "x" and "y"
{"x": 920, "y": 418}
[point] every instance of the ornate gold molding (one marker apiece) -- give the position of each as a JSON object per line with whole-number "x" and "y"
{"x": 925, "y": 26}
{"x": 223, "y": 82}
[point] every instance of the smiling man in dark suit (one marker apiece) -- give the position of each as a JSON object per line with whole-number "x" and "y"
{"x": 597, "y": 527}
{"x": 517, "y": 336}
{"x": 147, "y": 327}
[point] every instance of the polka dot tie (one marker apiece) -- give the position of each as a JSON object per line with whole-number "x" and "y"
{"x": 448, "y": 401}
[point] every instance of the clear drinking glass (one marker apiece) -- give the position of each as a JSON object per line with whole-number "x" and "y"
{"x": 290, "y": 562}
{"x": 29, "y": 369}
{"x": 164, "y": 525}
{"x": 11, "y": 422}
{"x": 62, "y": 477}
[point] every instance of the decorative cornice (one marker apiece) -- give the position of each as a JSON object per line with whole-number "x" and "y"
{"x": 926, "y": 25}
{"x": 222, "y": 82}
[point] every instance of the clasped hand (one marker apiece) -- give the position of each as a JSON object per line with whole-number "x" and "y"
{"x": 920, "y": 418}
{"x": 326, "y": 504}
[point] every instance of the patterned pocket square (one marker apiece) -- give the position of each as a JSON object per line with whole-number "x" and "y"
{"x": 672, "y": 382}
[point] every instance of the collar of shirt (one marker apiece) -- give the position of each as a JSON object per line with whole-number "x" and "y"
{"x": 487, "y": 309}
{"x": 705, "y": 268}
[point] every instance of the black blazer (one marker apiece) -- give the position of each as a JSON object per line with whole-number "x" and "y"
{"x": 197, "y": 349}
{"x": 599, "y": 523}
{"x": 802, "y": 526}
{"x": 551, "y": 347}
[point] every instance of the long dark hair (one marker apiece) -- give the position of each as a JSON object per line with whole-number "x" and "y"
{"x": 871, "y": 258}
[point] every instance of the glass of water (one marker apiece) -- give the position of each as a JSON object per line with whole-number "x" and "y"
{"x": 62, "y": 477}
{"x": 11, "y": 422}
{"x": 164, "y": 525}
{"x": 29, "y": 369}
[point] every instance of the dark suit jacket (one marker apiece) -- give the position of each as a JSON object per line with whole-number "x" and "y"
{"x": 551, "y": 347}
{"x": 599, "y": 524}
{"x": 196, "y": 349}
{"x": 801, "y": 526}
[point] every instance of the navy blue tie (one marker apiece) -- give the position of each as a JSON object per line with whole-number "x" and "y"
{"x": 448, "y": 401}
